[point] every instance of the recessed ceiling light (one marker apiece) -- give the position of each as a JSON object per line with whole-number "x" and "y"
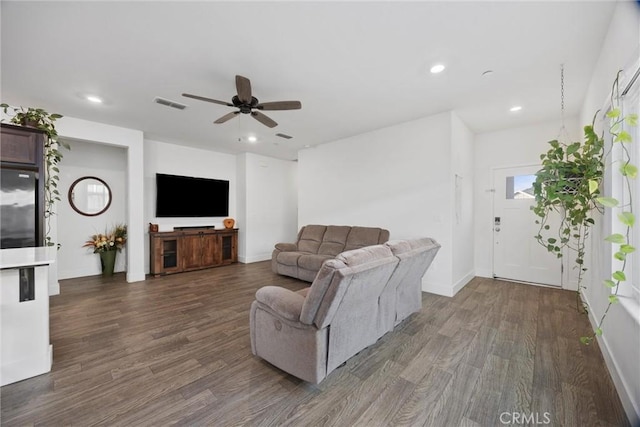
{"x": 515, "y": 108}
{"x": 307, "y": 146}
{"x": 94, "y": 99}
{"x": 252, "y": 138}
{"x": 438, "y": 68}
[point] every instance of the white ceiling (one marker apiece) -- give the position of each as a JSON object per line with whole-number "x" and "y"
{"x": 355, "y": 66}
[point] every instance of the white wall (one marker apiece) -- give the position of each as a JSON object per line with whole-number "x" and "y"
{"x": 132, "y": 142}
{"x": 462, "y": 160}
{"x": 160, "y": 157}
{"x": 399, "y": 178}
{"x": 520, "y": 146}
{"x": 269, "y": 205}
{"x": 620, "y": 343}
{"x": 109, "y": 164}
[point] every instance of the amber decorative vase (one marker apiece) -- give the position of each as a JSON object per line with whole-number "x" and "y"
{"x": 229, "y": 223}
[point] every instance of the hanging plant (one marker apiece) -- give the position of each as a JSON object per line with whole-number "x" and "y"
{"x": 39, "y": 119}
{"x": 569, "y": 186}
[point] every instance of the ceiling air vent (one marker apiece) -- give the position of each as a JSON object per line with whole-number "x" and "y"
{"x": 169, "y": 103}
{"x": 282, "y": 135}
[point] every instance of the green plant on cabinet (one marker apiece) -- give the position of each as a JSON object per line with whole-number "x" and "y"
{"x": 40, "y": 119}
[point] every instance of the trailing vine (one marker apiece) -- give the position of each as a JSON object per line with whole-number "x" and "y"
{"x": 628, "y": 171}
{"x": 569, "y": 184}
{"x": 40, "y": 119}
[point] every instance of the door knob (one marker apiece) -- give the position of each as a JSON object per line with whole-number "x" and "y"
{"x": 497, "y": 228}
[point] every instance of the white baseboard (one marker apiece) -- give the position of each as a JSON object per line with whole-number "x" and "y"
{"x": 484, "y": 273}
{"x": 54, "y": 288}
{"x": 463, "y": 282}
{"x": 254, "y": 258}
{"x": 447, "y": 290}
{"x": 631, "y": 407}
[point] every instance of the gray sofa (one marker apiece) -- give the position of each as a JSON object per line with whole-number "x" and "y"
{"x": 354, "y": 300}
{"x": 317, "y": 243}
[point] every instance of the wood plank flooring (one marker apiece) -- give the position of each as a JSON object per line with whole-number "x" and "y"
{"x": 176, "y": 349}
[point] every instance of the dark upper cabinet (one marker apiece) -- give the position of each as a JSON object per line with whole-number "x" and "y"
{"x": 23, "y": 177}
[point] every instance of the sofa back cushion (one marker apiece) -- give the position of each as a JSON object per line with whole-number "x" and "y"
{"x": 323, "y": 280}
{"x": 334, "y": 240}
{"x": 360, "y": 237}
{"x": 310, "y": 238}
{"x": 415, "y": 256}
{"x": 368, "y": 267}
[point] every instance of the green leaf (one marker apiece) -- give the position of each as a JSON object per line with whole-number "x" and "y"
{"x": 613, "y": 299}
{"x": 616, "y": 238}
{"x": 586, "y": 340}
{"x": 614, "y": 113}
{"x": 599, "y": 332}
{"x": 593, "y": 186}
{"x": 627, "y": 249}
{"x": 619, "y": 276}
{"x": 608, "y": 202}
{"x": 629, "y": 170}
{"x": 551, "y": 240}
{"x": 620, "y": 256}
{"x": 632, "y": 119}
{"x": 609, "y": 283}
{"x": 627, "y": 218}
{"x": 623, "y": 137}
{"x": 573, "y": 148}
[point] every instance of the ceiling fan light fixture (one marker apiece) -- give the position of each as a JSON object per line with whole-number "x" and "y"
{"x": 438, "y": 68}
{"x": 515, "y": 108}
{"x": 252, "y": 139}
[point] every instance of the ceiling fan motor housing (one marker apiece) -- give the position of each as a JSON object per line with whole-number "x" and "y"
{"x": 243, "y": 106}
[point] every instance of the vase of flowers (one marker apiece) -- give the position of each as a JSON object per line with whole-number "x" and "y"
{"x": 108, "y": 245}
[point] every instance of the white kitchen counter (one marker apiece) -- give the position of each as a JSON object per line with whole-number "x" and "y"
{"x": 26, "y": 257}
{"x": 25, "y": 349}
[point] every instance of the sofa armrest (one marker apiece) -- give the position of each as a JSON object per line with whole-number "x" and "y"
{"x": 281, "y": 301}
{"x": 286, "y": 247}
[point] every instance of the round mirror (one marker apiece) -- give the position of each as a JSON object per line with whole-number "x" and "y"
{"x": 89, "y": 196}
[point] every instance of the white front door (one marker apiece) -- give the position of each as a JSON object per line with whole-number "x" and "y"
{"x": 516, "y": 253}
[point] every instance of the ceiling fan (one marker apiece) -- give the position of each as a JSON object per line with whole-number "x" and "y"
{"x": 248, "y": 104}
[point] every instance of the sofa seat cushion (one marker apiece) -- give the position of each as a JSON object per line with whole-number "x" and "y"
{"x": 289, "y": 258}
{"x": 312, "y": 261}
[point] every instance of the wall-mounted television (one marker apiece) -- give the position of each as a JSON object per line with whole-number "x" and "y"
{"x": 185, "y": 196}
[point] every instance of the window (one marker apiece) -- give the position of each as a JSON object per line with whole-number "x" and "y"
{"x": 630, "y": 289}
{"x": 520, "y": 187}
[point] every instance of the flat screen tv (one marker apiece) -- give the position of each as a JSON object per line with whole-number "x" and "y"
{"x": 185, "y": 196}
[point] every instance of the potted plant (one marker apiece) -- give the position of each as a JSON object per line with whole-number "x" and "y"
{"x": 40, "y": 119}
{"x": 569, "y": 185}
{"x": 108, "y": 245}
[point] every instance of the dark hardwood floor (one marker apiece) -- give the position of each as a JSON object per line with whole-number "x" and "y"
{"x": 176, "y": 349}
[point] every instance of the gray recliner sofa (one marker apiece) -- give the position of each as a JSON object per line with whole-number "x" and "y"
{"x": 317, "y": 243}
{"x": 354, "y": 300}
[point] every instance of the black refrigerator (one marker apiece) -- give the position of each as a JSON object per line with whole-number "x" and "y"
{"x": 19, "y": 211}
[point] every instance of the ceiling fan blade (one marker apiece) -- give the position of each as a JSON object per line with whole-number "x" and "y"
{"x": 243, "y": 85}
{"x": 227, "y": 117}
{"x": 202, "y": 98}
{"x": 280, "y": 105}
{"x": 265, "y": 120}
